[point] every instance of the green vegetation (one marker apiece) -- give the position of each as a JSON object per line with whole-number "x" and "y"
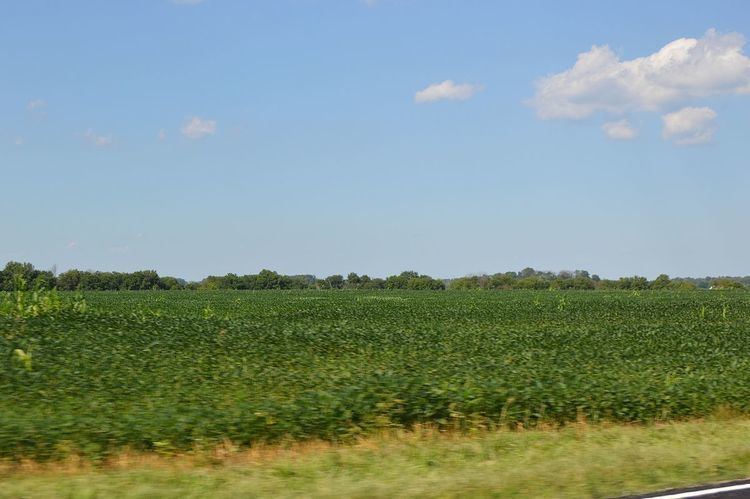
{"x": 578, "y": 461}
{"x": 168, "y": 371}
{"x": 24, "y": 274}
{"x": 527, "y": 278}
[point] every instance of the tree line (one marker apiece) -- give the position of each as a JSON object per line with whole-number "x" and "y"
{"x": 17, "y": 274}
{"x": 71, "y": 280}
{"x": 529, "y": 278}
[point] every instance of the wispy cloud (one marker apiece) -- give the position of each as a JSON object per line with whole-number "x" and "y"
{"x": 19, "y": 141}
{"x": 619, "y": 130}
{"x": 690, "y": 125}
{"x": 36, "y": 106}
{"x": 446, "y": 90}
{"x": 683, "y": 70}
{"x": 197, "y": 128}
{"x": 161, "y": 136}
{"x": 98, "y": 140}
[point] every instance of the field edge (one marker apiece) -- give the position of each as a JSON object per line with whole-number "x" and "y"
{"x": 580, "y": 460}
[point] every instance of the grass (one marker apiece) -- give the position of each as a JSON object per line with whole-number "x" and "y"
{"x": 578, "y": 461}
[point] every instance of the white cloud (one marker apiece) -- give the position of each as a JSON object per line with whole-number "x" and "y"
{"x": 36, "y": 105}
{"x": 690, "y": 125}
{"x": 196, "y": 128}
{"x": 619, "y": 130}
{"x": 97, "y": 140}
{"x": 19, "y": 141}
{"x": 682, "y": 70}
{"x": 72, "y": 244}
{"x": 447, "y": 90}
{"x": 162, "y": 135}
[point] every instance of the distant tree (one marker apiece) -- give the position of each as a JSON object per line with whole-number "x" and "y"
{"x": 661, "y": 282}
{"x": 17, "y": 272}
{"x": 267, "y": 279}
{"x": 143, "y": 280}
{"x": 335, "y": 281}
{"x": 353, "y": 280}
{"x": 375, "y": 283}
{"x": 528, "y": 278}
{"x": 500, "y": 281}
{"x": 69, "y": 280}
{"x": 171, "y": 283}
{"x": 210, "y": 283}
{"x": 297, "y": 282}
{"x": 726, "y": 283}
{"x": 635, "y": 283}
{"x": 532, "y": 282}
{"x": 465, "y": 283}
{"x": 44, "y": 279}
{"x": 527, "y": 272}
{"x": 413, "y": 280}
{"x": 396, "y": 282}
{"x": 424, "y": 282}
{"x": 582, "y": 273}
{"x": 582, "y": 282}
{"x": 683, "y": 285}
{"x": 408, "y": 274}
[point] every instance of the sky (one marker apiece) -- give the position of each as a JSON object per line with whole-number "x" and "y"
{"x": 333, "y": 136}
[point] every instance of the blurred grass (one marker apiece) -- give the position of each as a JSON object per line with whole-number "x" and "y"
{"x": 578, "y": 461}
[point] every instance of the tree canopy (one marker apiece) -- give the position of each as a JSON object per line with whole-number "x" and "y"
{"x": 16, "y": 274}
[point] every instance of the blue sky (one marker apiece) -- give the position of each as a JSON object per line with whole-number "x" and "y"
{"x": 322, "y": 136}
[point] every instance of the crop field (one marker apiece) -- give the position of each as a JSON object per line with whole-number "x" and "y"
{"x": 168, "y": 371}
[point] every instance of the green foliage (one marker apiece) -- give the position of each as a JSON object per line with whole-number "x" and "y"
{"x": 115, "y": 281}
{"x": 23, "y": 358}
{"x": 264, "y": 280}
{"x": 334, "y": 281}
{"x": 532, "y": 279}
{"x": 413, "y": 281}
{"x": 725, "y": 283}
{"x": 661, "y": 282}
{"x": 23, "y": 302}
{"x": 180, "y": 370}
{"x": 683, "y": 285}
{"x": 26, "y": 272}
{"x": 527, "y": 278}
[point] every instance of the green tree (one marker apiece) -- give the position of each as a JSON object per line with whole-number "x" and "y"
{"x": 465, "y": 283}
{"x": 661, "y": 282}
{"x": 267, "y": 279}
{"x": 726, "y": 283}
{"x": 69, "y": 281}
{"x": 171, "y": 283}
{"x": 335, "y": 281}
{"x": 353, "y": 280}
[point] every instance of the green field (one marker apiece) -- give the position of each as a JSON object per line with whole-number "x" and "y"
{"x": 175, "y": 371}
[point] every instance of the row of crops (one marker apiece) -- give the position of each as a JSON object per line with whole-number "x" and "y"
{"x": 171, "y": 371}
